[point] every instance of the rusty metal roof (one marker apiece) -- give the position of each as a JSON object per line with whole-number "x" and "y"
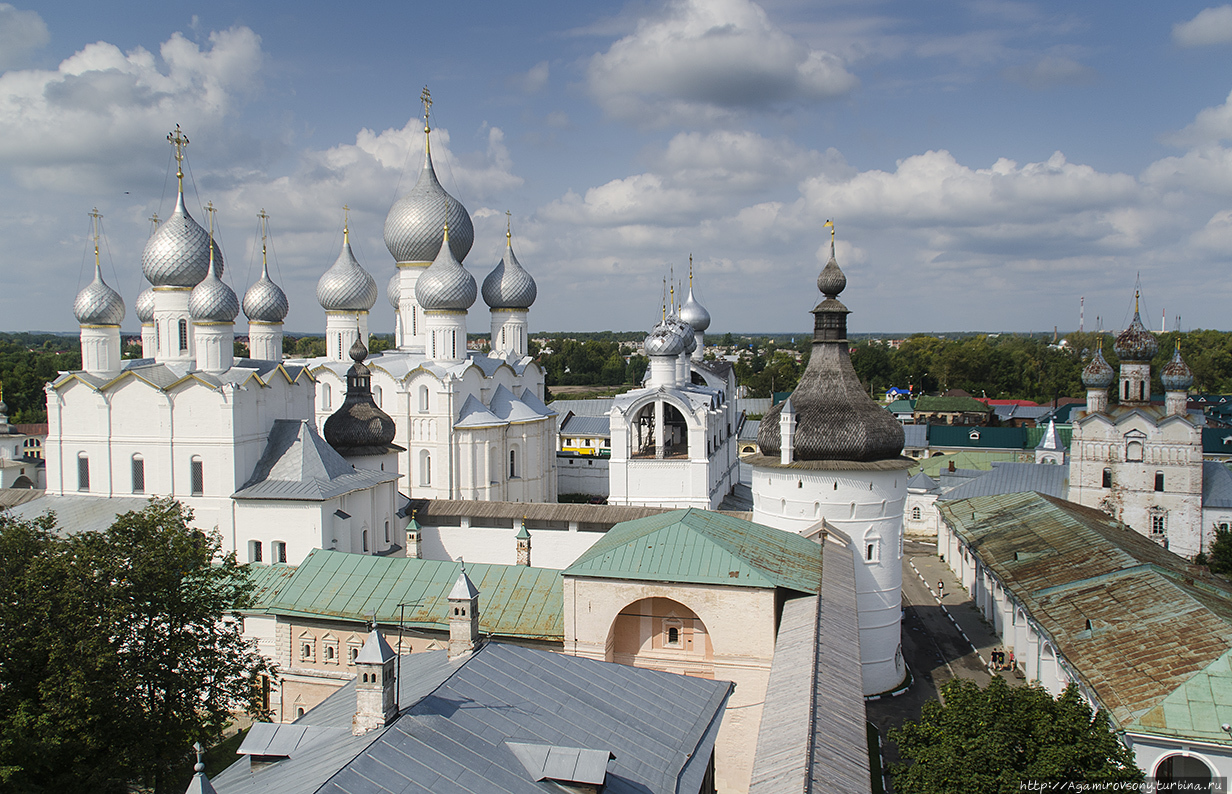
{"x": 514, "y": 600}
{"x": 1138, "y": 623}
{"x": 701, "y": 546}
{"x": 266, "y": 580}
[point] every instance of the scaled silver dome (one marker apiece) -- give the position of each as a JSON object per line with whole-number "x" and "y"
{"x": 1176, "y": 374}
{"x": 445, "y": 285}
{"x": 393, "y": 290}
{"x": 265, "y": 302}
{"x": 684, "y": 330}
{"x": 1099, "y": 373}
{"x": 144, "y": 307}
{"x": 346, "y": 287}
{"x": 212, "y": 301}
{"x": 98, "y": 304}
{"x": 664, "y": 340}
{"x": 509, "y": 286}
{"x": 413, "y": 225}
{"x": 694, "y": 313}
{"x": 178, "y": 253}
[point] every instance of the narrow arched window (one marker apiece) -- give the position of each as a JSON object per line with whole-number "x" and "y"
{"x": 915, "y": 513}
{"x": 386, "y": 531}
{"x": 1159, "y": 480}
{"x": 376, "y": 395}
{"x": 869, "y": 551}
{"x": 183, "y": 335}
{"x": 513, "y": 463}
{"x": 138, "y": 472}
{"x": 423, "y": 399}
{"x": 325, "y": 396}
{"x": 254, "y": 551}
{"x": 196, "y": 475}
{"x": 673, "y": 636}
{"x": 279, "y": 551}
{"x": 83, "y": 471}
{"x": 1107, "y": 478}
{"x": 425, "y": 467}
{"x": 365, "y": 540}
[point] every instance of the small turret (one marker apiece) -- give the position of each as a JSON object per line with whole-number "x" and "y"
{"x": 463, "y": 615}
{"x": 523, "y": 539}
{"x": 374, "y": 685}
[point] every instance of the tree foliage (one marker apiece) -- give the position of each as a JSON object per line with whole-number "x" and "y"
{"x": 994, "y": 739}
{"x": 122, "y": 647}
{"x": 591, "y": 362}
{"x": 1220, "y": 557}
{"x": 27, "y": 361}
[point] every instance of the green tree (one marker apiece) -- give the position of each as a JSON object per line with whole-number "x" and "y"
{"x": 994, "y": 739}
{"x": 1220, "y": 558}
{"x": 122, "y": 647}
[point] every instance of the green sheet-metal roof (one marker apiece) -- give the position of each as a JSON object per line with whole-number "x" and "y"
{"x": 967, "y": 459}
{"x": 266, "y": 580}
{"x": 702, "y": 547}
{"x": 514, "y": 600}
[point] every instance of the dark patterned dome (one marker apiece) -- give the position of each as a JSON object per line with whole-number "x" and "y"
{"x": 97, "y": 303}
{"x": 445, "y": 285}
{"x": 1136, "y": 343}
{"x": 413, "y": 225}
{"x": 1099, "y": 373}
{"x": 835, "y": 418}
{"x": 509, "y": 286}
{"x": 359, "y": 426}
{"x": 1176, "y": 374}
{"x": 178, "y": 253}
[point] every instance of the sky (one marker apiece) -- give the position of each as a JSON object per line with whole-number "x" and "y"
{"x": 987, "y": 164}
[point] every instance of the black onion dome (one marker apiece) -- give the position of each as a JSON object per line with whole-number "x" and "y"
{"x": 835, "y": 417}
{"x": 1099, "y": 373}
{"x": 359, "y": 426}
{"x": 1176, "y": 374}
{"x": 1136, "y": 343}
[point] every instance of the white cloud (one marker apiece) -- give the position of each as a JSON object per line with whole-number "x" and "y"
{"x": 92, "y": 117}
{"x": 706, "y": 61}
{"x": 534, "y": 79}
{"x": 21, "y": 34}
{"x": 1210, "y": 26}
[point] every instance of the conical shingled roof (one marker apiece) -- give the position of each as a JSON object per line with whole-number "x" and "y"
{"x": 835, "y": 417}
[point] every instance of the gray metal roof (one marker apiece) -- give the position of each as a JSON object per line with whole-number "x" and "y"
{"x": 587, "y": 426}
{"x": 564, "y": 408}
{"x": 1007, "y": 477}
{"x": 1216, "y": 484}
{"x": 297, "y": 464}
{"x": 79, "y": 513}
{"x": 922, "y": 482}
{"x": 457, "y": 719}
{"x": 812, "y": 734}
{"x": 915, "y": 436}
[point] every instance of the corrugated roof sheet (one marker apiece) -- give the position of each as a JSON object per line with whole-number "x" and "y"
{"x": 1156, "y": 621}
{"x": 451, "y": 735}
{"x": 1007, "y": 477}
{"x": 514, "y": 600}
{"x": 587, "y": 426}
{"x": 704, "y": 547}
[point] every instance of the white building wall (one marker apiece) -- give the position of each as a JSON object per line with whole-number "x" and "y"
{"x": 583, "y": 474}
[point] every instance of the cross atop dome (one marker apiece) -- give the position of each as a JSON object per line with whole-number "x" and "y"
{"x": 179, "y": 140}
{"x": 426, "y": 99}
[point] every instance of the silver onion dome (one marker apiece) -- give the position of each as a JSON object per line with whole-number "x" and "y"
{"x": 664, "y": 340}
{"x": 98, "y": 304}
{"x": 1176, "y": 374}
{"x": 413, "y": 225}
{"x": 178, "y": 253}
{"x": 212, "y": 301}
{"x": 445, "y": 285}
{"x": 144, "y": 307}
{"x": 684, "y": 330}
{"x": 393, "y": 290}
{"x": 509, "y": 286}
{"x": 265, "y": 302}
{"x": 694, "y": 313}
{"x": 346, "y": 286}
{"x": 1099, "y": 373}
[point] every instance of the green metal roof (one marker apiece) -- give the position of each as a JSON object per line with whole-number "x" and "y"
{"x": 964, "y": 436}
{"x": 702, "y": 547}
{"x": 928, "y": 403}
{"x": 967, "y": 459}
{"x": 1149, "y": 634}
{"x": 514, "y": 600}
{"x": 266, "y": 580}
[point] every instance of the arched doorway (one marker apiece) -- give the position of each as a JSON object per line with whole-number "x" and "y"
{"x": 661, "y": 634}
{"x": 1182, "y": 767}
{"x": 642, "y": 439}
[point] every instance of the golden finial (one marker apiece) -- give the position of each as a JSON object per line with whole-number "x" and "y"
{"x": 346, "y": 224}
{"x": 1135, "y": 301}
{"x": 508, "y": 225}
{"x": 446, "y": 231}
{"x": 211, "y": 210}
{"x": 264, "y": 233}
{"x": 179, "y": 140}
{"x": 690, "y": 272}
{"x": 154, "y": 220}
{"x": 829, "y": 223}
{"x": 664, "y": 300}
{"x": 426, "y": 99}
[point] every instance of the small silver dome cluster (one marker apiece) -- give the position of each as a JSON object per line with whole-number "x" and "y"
{"x": 178, "y": 253}
{"x": 445, "y": 285}
{"x": 664, "y": 340}
{"x": 509, "y": 286}
{"x": 212, "y": 301}
{"x": 1099, "y": 373}
{"x": 346, "y": 286}
{"x": 98, "y": 304}
{"x": 393, "y": 290}
{"x": 694, "y": 313}
{"x": 265, "y": 302}
{"x": 413, "y": 225}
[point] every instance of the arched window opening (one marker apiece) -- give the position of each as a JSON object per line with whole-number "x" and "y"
{"x": 386, "y": 531}
{"x": 673, "y": 636}
{"x": 1107, "y": 478}
{"x": 1133, "y": 451}
{"x": 915, "y": 513}
{"x": 1182, "y": 767}
{"x": 1142, "y": 390}
{"x": 364, "y": 540}
{"x": 870, "y": 552}
{"x": 83, "y": 472}
{"x": 423, "y": 399}
{"x": 278, "y": 550}
{"x": 138, "y": 474}
{"x": 299, "y": 711}
{"x": 425, "y": 467}
{"x": 196, "y": 475}
{"x": 513, "y": 463}
{"x": 325, "y": 396}
{"x": 1159, "y": 481}
{"x": 254, "y": 551}
{"x": 183, "y": 335}
{"x": 376, "y": 395}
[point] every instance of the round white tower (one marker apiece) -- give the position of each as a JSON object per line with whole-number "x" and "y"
{"x": 830, "y": 454}
{"x": 213, "y": 308}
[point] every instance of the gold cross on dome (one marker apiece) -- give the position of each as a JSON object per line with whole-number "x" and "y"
{"x": 508, "y": 223}
{"x": 179, "y": 140}
{"x": 211, "y": 210}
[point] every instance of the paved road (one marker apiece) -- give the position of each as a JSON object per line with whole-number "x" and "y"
{"x": 938, "y": 643}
